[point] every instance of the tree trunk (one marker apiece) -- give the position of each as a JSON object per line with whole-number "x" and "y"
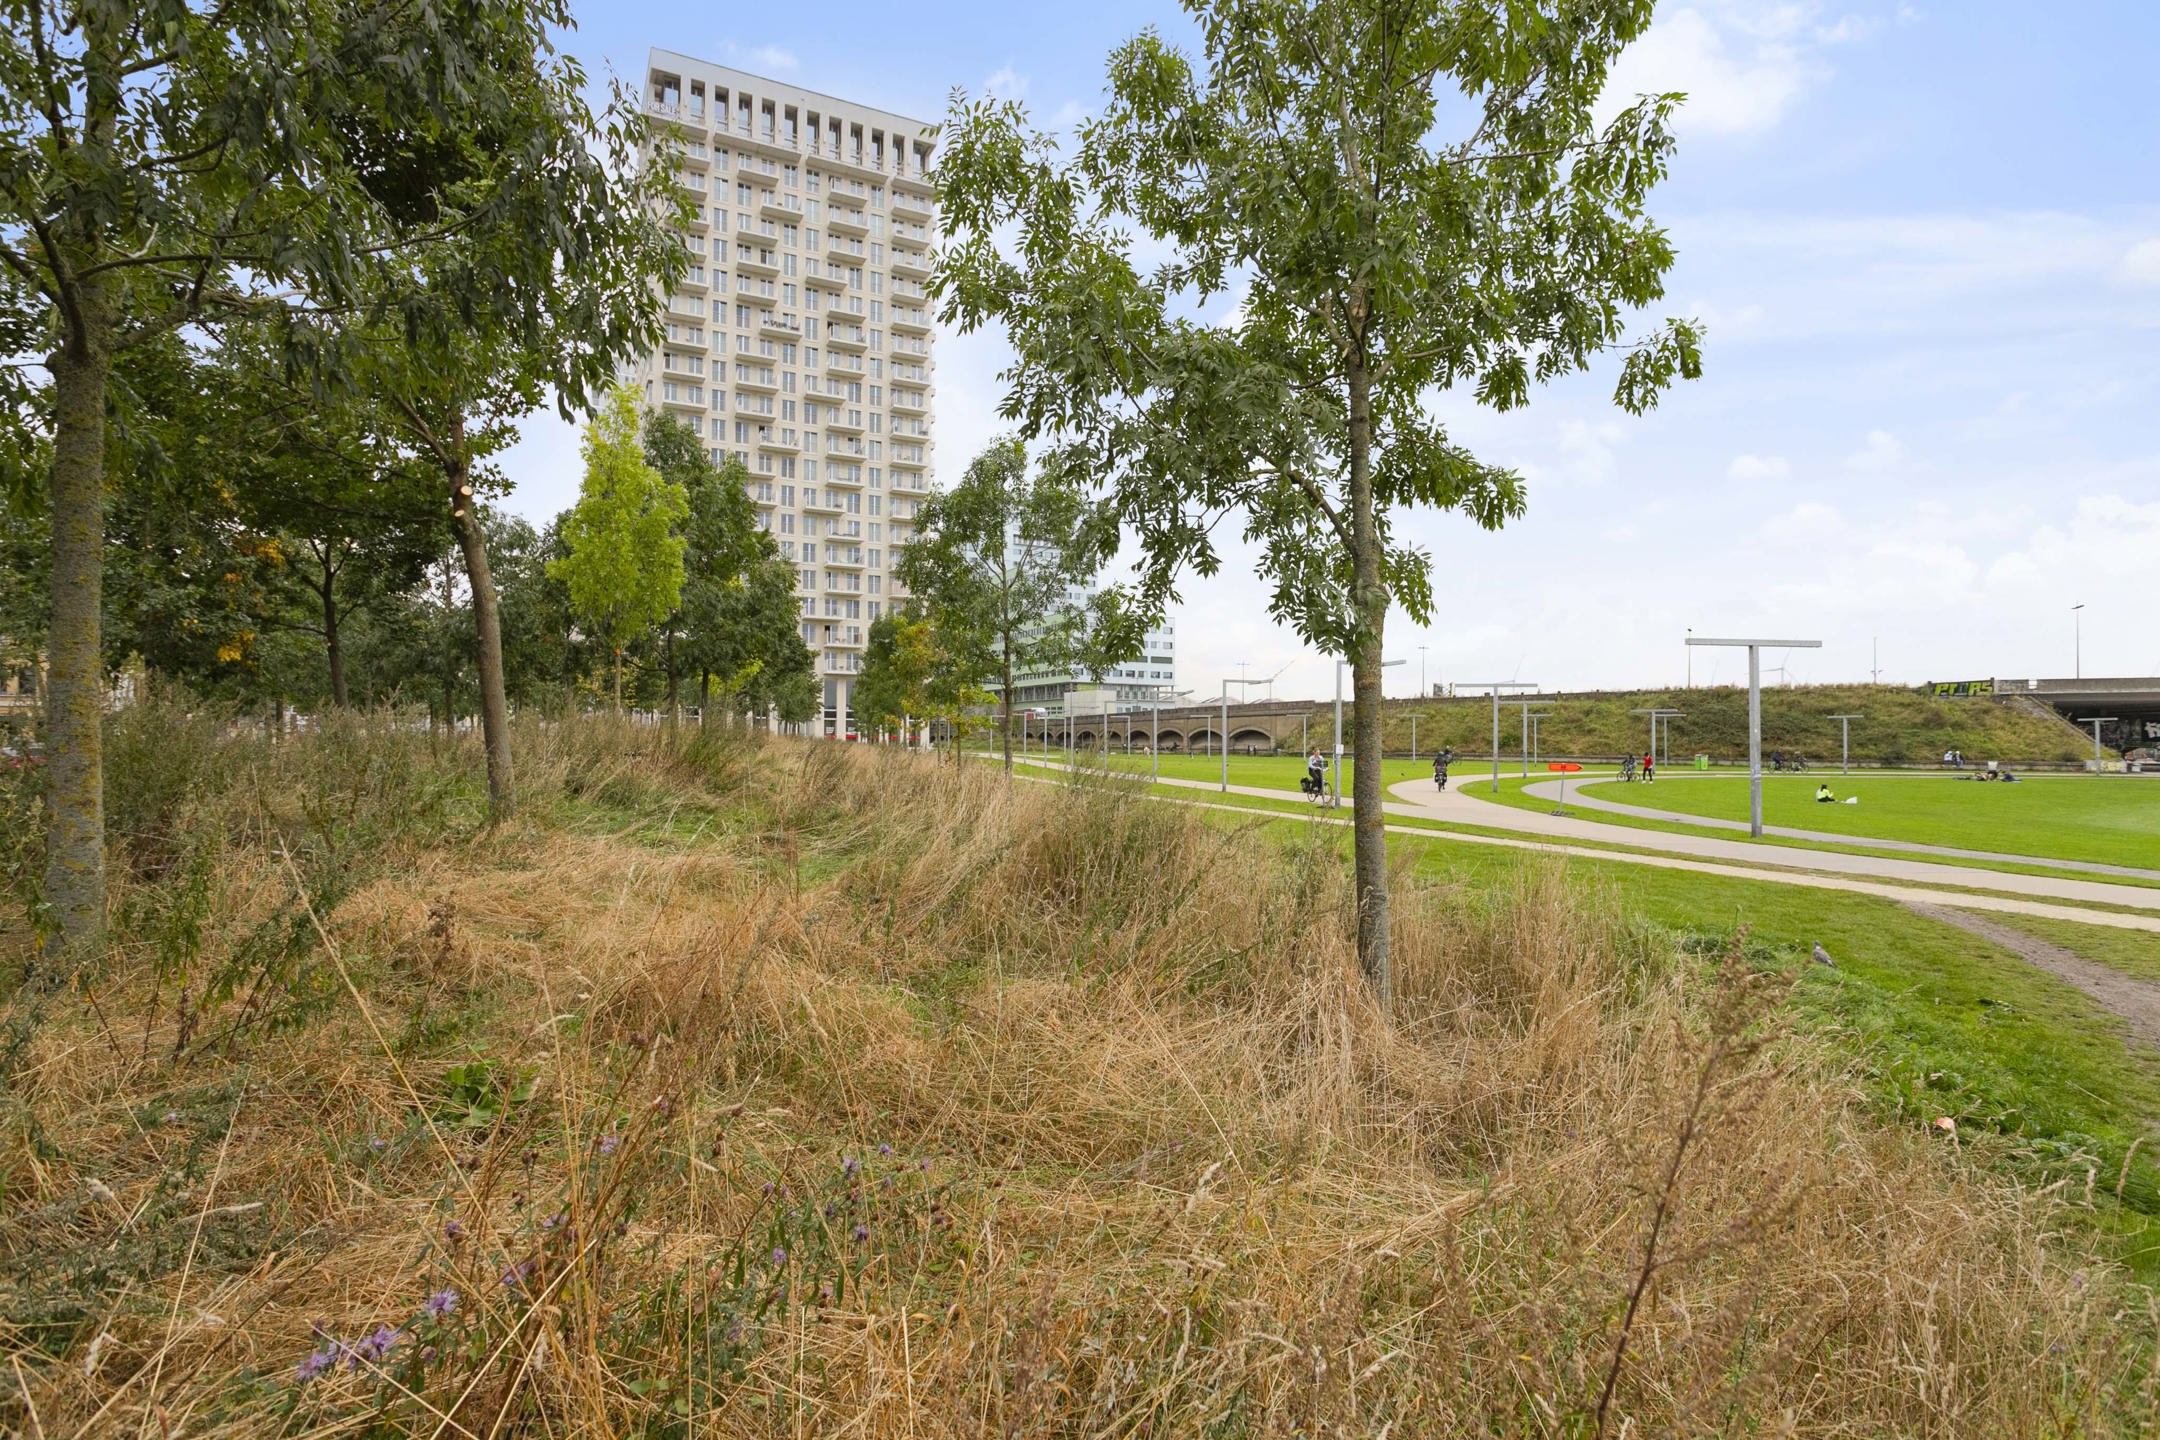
{"x": 1007, "y": 697}
{"x": 704, "y": 697}
{"x": 674, "y": 694}
{"x": 74, "y": 688}
{"x": 618, "y": 680}
{"x": 487, "y": 627}
{"x": 1370, "y": 601}
{"x": 331, "y": 641}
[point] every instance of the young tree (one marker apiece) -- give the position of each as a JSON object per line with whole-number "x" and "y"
{"x": 993, "y": 561}
{"x": 1378, "y": 263}
{"x": 898, "y": 666}
{"x": 624, "y": 569}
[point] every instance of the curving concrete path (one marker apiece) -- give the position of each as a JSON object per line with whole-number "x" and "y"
{"x": 1550, "y": 790}
{"x": 1462, "y": 808}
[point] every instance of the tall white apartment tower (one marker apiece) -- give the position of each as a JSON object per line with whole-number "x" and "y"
{"x": 799, "y": 340}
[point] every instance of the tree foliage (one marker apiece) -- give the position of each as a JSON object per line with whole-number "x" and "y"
{"x": 1380, "y": 249}
{"x": 623, "y": 560}
{"x": 994, "y": 562}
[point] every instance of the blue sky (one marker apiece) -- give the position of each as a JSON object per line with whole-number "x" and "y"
{"x": 1925, "y": 239}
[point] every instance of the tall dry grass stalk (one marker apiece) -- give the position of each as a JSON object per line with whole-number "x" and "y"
{"x": 805, "y": 1090}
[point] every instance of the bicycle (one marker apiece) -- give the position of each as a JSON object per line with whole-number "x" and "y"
{"x": 1627, "y": 769}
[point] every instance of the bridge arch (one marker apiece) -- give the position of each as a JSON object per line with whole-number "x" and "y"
{"x": 1252, "y": 741}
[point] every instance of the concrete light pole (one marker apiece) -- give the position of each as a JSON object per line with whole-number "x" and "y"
{"x": 1531, "y": 718}
{"x": 1335, "y": 780}
{"x": 2096, "y": 721}
{"x": 2077, "y": 641}
{"x": 1754, "y": 714}
{"x": 1413, "y": 717}
{"x": 1226, "y": 726}
{"x": 1495, "y": 686}
{"x": 1845, "y": 741}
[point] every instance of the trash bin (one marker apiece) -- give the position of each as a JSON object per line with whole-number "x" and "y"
{"x": 1702, "y": 762}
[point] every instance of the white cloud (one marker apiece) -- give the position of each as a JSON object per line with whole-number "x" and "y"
{"x": 1069, "y": 115}
{"x": 1758, "y": 467}
{"x": 1883, "y": 451}
{"x": 2142, "y": 265}
{"x": 772, "y": 57}
{"x": 1006, "y": 83}
{"x": 1731, "y": 88}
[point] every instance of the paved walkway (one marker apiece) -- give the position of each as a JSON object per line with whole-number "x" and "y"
{"x": 1578, "y": 795}
{"x": 1901, "y": 880}
{"x": 1462, "y": 808}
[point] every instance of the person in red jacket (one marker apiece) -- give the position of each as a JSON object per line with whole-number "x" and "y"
{"x": 1649, "y": 768}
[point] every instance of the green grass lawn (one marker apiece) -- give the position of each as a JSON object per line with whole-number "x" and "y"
{"x": 1936, "y": 1021}
{"x": 2109, "y": 819}
{"x": 1275, "y": 772}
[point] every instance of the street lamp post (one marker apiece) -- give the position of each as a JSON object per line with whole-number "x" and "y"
{"x": 1413, "y": 717}
{"x": 2077, "y": 641}
{"x": 1335, "y": 780}
{"x": 2096, "y": 721}
{"x": 1661, "y": 715}
{"x": 1495, "y": 686}
{"x": 1754, "y": 714}
{"x": 1845, "y": 741}
{"x": 1226, "y": 726}
{"x": 1530, "y": 724}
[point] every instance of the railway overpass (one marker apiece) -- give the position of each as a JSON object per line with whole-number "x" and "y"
{"x": 2133, "y": 702}
{"x": 1261, "y": 728}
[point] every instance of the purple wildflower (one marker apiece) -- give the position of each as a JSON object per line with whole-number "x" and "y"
{"x": 441, "y": 1305}
{"x": 377, "y": 1143}
{"x": 779, "y": 1256}
{"x": 377, "y": 1347}
{"x": 315, "y": 1364}
{"x": 553, "y": 1221}
{"x": 849, "y": 1165}
{"x": 862, "y": 1233}
{"x": 427, "y": 1354}
{"x": 514, "y": 1277}
{"x": 884, "y": 1149}
{"x": 453, "y": 1229}
{"x": 607, "y": 1143}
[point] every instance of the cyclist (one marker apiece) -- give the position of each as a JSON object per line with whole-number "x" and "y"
{"x": 1439, "y": 769}
{"x": 1315, "y": 782}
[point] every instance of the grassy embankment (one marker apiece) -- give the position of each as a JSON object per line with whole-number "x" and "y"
{"x": 1902, "y": 727}
{"x": 580, "y": 1126}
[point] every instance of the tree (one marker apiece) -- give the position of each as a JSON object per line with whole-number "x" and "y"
{"x": 898, "y": 664}
{"x": 722, "y": 544}
{"x": 624, "y": 569}
{"x": 163, "y": 163}
{"x": 993, "y": 561}
{"x": 1377, "y": 264}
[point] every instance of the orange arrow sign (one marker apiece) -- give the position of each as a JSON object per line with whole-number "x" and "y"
{"x": 1563, "y": 765}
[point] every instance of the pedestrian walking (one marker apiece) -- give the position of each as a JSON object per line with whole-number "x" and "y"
{"x": 1649, "y": 768}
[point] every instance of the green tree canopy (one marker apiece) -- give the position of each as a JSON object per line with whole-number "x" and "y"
{"x": 1303, "y": 167}
{"x": 994, "y": 561}
{"x": 624, "y": 561}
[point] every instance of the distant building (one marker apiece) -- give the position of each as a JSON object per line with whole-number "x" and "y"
{"x": 799, "y": 340}
{"x": 1151, "y": 673}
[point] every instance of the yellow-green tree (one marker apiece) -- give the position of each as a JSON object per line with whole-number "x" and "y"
{"x": 624, "y": 566}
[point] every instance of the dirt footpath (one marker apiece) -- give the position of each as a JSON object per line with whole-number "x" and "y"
{"x": 2136, "y": 1001}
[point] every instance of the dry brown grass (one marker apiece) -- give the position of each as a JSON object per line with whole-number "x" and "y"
{"x": 1156, "y": 1166}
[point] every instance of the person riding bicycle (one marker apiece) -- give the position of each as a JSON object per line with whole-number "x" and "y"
{"x": 1627, "y": 768}
{"x": 1439, "y": 769}
{"x": 1315, "y": 779}
{"x": 1777, "y": 759}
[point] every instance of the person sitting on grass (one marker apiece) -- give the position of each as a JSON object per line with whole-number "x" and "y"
{"x": 1823, "y": 795}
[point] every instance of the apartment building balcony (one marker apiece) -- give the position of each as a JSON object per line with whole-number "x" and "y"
{"x": 776, "y": 326}
{"x": 850, "y": 559}
{"x": 693, "y": 279}
{"x": 846, "y": 249}
{"x": 914, "y": 322}
{"x": 752, "y": 288}
{"x": 676, "y": 363}
{"x": 822, "y": 504}
{"x": 917, "y": 345}
{"x": 835, "y": 477}
{"x": 850, "y": 337}
{"x": 682, "y": 117}
{"x": 844, "y": 422}
{"x": 787, "y": 209}
{"x": 907, "y": 206}
{"x": 846, "y": 222}
{"x": 757, "y": 262}
{"x": 849, "y": 365}
{"x": 911, "y": 402}
{"x": 681, "y": 403}
{"x": 914, "y": 265}
{"x": 816, "y": 276}
{"x": 779, "y": 442}
{"x": 909, "y": 457}
{"x": 761, "y": 379}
